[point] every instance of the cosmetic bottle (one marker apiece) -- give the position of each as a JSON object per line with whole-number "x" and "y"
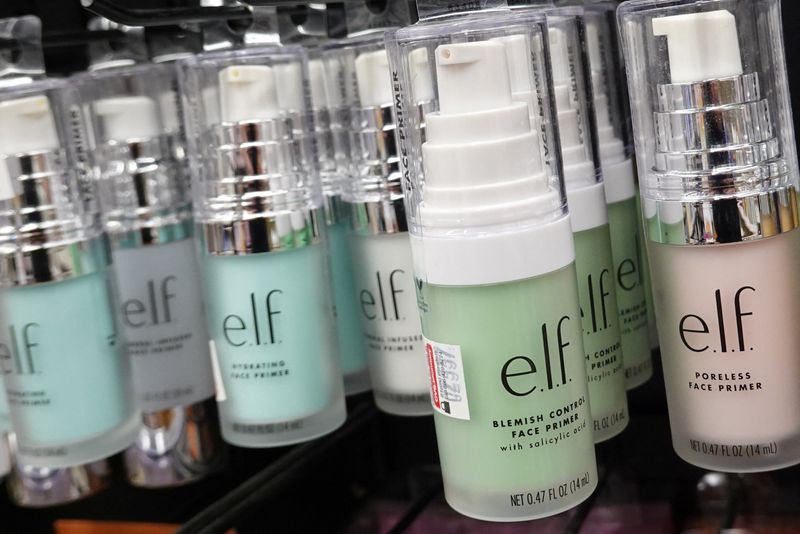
{"x": 27, "y": 484}
{"x": 589, "y": 217}
{"x": 66, "y": 378}
{"x": 620, "y": 186}
{"x": 718, "y": 165}
{"x": 259, "y": 213}
{"x": 384, "y": 273}
{"x": 331, "y": 120}
{"x": 146, "y": 210}
{"x": 494, "y": 260}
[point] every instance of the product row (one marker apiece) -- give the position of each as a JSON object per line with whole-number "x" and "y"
{"x": 222, "y": 245}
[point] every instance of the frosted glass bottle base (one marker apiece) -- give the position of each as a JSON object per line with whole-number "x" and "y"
{"x": 84, "y": 452}
{"x": 406, "y": 408}
{"x": 615, "y": 430}
{"x": 358, "y": 382}
{"x": 734, "y": 464}
{"x": 486, "y": 506}
{"x": 288, "y": 432}
{"x": 641, "y": 378}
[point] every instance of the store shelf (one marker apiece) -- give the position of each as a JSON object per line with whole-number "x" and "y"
{"x": 379, "y": 474}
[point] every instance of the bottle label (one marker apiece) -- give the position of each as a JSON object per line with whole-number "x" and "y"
{"x": 518, "y": 348}
{"x": 389, "y": 316}
{"x": 727, "y": 319}
{"x": 631, "y": 301}
{"x": 448, "y": 387}
{"x": 63, "y": 369}
{"x": 601, "y": 337}
{"x": 163, "y": 325}
{"x": 271, "y": 322}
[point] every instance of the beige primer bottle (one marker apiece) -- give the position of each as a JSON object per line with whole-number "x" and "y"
{"x": 719, "y": 177}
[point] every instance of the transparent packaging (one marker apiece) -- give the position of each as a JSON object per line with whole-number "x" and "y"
{"x": 597, "y": 293}
{"x": 66, "y": 378}
{"x": 146, "y": 208}
{"x": 373, "y": 195}
{"x": 718, "y": 174}
{"x": 494, "y": 260}
{"x": 260, "y": 226}
{"x": 331, "y": 118}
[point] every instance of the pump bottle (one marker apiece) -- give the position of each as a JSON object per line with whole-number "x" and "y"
{"x": 384, "y": 273}
{"x": 501, "y": 319}
{"x": 59, "y": 341}
{"x": 718, "y": 170}
{"x": 146, "y": 209}
{"x": 261, "y": 232}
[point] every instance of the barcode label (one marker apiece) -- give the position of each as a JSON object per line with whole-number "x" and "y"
{"x": 448, "y": 387}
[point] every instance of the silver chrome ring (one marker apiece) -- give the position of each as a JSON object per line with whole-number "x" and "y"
{"x": 256, "y": 235}
{"x": 721, "y": 221}
{"x": 379, "y": 217}
{"x": 698, "y": 95}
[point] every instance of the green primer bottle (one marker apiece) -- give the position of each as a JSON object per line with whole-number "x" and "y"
{"x": 495, "y": 264}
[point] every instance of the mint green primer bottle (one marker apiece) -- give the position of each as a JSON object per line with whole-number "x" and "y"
{"x": 589, "y": 216}
{"x": 630, "y": 275}
{"x": 497, "y": 287}
{"x": 261, "y": 228}
{"x": 66, "y": 379}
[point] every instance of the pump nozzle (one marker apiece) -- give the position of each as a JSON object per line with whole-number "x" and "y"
{"x": 421, "y": 79}
{"x": 702, "y": 46}
{"x": 316, "y": 78}
{"x": 374, "y": 78}
{"x": 248, "y": 92}
{"x": 128, "y": 117}
{"x": 472, "y": 77}
{"x": 28, "y": 125}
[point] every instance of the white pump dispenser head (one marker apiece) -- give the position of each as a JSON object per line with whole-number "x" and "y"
{"x": 128, "y": 117}
{"x": 702, "y": 46}
{"x": 472, "y": 77}
{"x": 316, "y": 78}
{"x": 421, "y": 79}
{"x": 27, "y": 125}
{"x": 374, "y": 78}
{"x": 289, "y": 83}
{"x": 248, "y": 92}
{"x": 485, "y": 179}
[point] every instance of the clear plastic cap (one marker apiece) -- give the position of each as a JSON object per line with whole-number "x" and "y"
{"x": 135, "y": 122}
{"x": 576, "y": 127}
{"x": 607, "y": 74}
{"x": 487, "y": 159}
{"x": 46, "y": 196}
{"x": 710, "y": 98}
{"x": 331, "y": 118}
{"x": 358, "y": 69}
{"x": 249, "y": 134}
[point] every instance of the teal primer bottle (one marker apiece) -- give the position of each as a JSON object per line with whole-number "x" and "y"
{"x": 66, "y": 377}
{"x": 258, "y": 208}
{"x": 147, "y": 213}
{"x": 495, "y": 261}
{"x": 331, "y": 133}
